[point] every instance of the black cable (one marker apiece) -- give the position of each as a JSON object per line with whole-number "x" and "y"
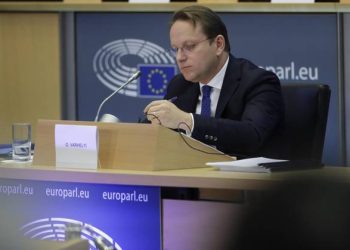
{"x": 154, "y": 117}
{"x": 189, "y": 145}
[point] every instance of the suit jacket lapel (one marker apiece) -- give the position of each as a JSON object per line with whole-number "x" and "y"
{"x": 188, "y": 100}
{"x": 230, "y": 84}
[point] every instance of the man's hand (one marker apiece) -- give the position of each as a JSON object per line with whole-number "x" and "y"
{"x": 167, "y": 114}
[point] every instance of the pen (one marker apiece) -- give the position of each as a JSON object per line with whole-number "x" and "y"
{"x": 172, "y": 99}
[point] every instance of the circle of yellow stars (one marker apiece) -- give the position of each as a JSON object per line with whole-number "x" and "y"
{"x": 151, "y": 87}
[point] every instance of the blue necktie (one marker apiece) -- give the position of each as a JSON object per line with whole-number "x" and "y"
{"x": 205, "y": 111}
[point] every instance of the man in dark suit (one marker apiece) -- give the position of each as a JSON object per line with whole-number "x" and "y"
{"x": 245, "y": 106}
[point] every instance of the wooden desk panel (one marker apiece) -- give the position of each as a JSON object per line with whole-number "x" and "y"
{"x": 217, "y": 5}
{"x": 29, "y": 69}
{"x": 193, "y": 178}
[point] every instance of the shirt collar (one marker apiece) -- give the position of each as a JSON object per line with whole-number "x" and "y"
{"x": 218, "y": 79}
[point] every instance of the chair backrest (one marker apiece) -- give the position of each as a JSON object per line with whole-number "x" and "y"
{"x": 306, "y": 113}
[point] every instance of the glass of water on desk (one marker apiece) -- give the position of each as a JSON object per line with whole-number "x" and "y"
{"x": 21, "y": 141}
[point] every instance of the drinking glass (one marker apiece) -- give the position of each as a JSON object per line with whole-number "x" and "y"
{"x": 21, "y": 141}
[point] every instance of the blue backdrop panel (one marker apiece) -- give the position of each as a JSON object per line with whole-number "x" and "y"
{"x": 130, "y": 40}
{"x": 111, "y": 46}
{"x": 126, "y": 217}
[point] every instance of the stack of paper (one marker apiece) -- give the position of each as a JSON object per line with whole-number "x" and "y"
{"x": 255, "y": 165}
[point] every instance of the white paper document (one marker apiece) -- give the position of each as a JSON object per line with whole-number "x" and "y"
{"x": 292, "y": 1}
{"x": 245, "y": 165}
{"x": 149, "y": 1}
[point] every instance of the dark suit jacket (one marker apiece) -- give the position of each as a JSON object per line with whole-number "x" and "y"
{"x": 250, "y": 108}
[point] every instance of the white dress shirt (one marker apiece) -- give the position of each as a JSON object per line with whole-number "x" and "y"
{"x": 216, "y": 84}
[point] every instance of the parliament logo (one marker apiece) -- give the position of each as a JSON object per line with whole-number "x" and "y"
{"x": 56, "y": 229}
{"x": 116, "y": 61}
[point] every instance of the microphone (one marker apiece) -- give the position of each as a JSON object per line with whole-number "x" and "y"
{"x": 109, "y": 118}
{"x": 133, "y": 77}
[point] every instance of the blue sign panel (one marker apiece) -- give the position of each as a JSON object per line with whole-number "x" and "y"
{"x": 109, "y": 52}
{"x": 123, "y": 217}
{"x": 297, "y": 47}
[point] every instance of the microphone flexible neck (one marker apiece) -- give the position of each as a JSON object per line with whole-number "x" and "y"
{"x": 133, "y": 77}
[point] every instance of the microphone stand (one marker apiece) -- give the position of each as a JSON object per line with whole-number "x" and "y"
{"x": 133, "y": 77}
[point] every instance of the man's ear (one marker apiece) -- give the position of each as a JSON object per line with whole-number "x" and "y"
{"x": 220, "y": 44}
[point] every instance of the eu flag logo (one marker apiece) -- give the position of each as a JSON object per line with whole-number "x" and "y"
{"x": 154, "y": 79}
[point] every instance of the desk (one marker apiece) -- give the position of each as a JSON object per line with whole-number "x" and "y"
{"x": 186, "y": 224}
{"x": 193, "y": 178}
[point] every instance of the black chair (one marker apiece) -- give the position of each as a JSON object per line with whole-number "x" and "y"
{"x": 306, "y": 112}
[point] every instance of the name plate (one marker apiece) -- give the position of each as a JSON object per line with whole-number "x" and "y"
{"x": 76, "y": 146}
